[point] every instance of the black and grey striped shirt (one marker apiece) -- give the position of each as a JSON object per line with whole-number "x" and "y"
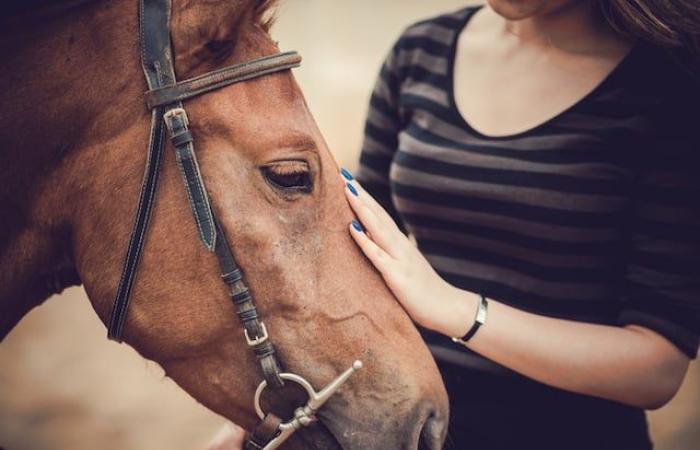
{"x": 592, "y": 216}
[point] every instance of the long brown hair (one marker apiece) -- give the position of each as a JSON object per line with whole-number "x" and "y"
{"x": 669, "y": 23}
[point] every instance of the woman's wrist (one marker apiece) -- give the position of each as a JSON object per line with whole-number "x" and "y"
{"x": 454, "y": 313}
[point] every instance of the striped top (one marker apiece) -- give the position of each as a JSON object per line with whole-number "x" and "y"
{"x": 591, "y": 216}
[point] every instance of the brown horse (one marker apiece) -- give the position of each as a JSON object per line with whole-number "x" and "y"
{"x": 74, "y": 131}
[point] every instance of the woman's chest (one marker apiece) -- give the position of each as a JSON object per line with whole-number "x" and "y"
{"x": 571, "y": 182}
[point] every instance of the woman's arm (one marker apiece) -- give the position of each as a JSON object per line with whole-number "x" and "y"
{"x": 632, "y": 365}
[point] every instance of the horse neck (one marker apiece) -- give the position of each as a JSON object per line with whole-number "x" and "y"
{"x": 70, "y": 79}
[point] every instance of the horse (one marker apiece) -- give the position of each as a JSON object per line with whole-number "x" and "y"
{"x": 74, "y": 130}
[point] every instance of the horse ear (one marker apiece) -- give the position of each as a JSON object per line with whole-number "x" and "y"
{"x": 266, "y": 13}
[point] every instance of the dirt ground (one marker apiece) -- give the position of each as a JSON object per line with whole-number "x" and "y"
{"x": 63, "y": 386}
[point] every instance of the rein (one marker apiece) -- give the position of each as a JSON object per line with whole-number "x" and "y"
{"x": 164, "y": 99}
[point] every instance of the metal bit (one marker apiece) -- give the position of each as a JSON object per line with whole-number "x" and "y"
{"x": 304, "y": 415}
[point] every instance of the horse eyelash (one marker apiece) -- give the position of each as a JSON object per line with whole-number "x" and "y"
{"x": 270, "y": 173}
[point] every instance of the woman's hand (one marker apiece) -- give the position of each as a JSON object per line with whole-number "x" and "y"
{"x": 429, "y": 300}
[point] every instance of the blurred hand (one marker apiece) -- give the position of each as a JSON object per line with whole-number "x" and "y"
{"x": 229, "y": 437}
{"x": 427, "y": 298}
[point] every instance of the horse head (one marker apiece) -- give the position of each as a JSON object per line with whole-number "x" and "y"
{"x": 75, "y": 119}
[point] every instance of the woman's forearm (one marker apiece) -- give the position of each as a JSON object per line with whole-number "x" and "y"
{"x": 631, "y": 365}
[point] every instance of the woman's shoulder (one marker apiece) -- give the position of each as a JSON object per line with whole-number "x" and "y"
{"x": 450, "y": 20}
{"x": 427, "y": 43}
{"x": 440, "y": 29}
{"x": 662, "y": 92}
{"x": 671, "y": 76}
{"x": 673, "y": 68}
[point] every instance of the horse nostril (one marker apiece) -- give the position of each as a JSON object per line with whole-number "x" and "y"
{"x": 432, "y": 433}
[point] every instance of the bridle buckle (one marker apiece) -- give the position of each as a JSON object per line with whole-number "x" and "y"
{"x": 171, "y": 114}
{"x": 258, "y": 339}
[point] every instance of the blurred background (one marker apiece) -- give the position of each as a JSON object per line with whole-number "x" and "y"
{"x": 63, "y": 386}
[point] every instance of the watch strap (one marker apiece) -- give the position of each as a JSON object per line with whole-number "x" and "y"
{"x": 479, "y": 320}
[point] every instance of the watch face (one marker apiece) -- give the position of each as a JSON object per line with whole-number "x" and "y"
{"x": 481, "y": 313}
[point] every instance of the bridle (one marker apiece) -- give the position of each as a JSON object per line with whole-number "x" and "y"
{"x": 164, "y": 98}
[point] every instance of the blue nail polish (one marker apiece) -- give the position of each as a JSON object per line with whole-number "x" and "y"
{"x": 346, "y": 174}
{"x": 356, "y": 225}
{"x": 352, "y": 189}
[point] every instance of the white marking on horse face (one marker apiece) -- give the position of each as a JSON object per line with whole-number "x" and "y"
{"x": 282, "y": 218}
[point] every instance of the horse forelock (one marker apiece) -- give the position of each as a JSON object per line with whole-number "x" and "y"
{"x": 266, "y": 13}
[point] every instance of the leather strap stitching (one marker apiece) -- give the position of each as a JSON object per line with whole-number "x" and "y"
{"x": 193, "y": 87}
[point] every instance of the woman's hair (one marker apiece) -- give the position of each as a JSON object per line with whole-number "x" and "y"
{"x": 670, "y": 23}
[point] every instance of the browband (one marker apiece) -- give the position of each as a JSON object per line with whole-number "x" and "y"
{"x": 210, "y": 81}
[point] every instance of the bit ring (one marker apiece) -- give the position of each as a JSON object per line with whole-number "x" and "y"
{"x": 316, "y": 399}
{"x": 285, "y": 376}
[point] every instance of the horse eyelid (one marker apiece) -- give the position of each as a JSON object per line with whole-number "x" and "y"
{"x": 285, "y": 181}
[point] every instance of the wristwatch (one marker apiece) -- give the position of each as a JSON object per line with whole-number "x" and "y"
{"x": 479, "y": 320}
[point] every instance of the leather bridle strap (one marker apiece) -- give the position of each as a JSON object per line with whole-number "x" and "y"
{"x": 156, "y": 62}
{"x": 151, "y": 19}
{"x": 254, "y": 330}
{"x": 164, "y": 99}
{"x": 217, "y": 79}
{"x": 265, "y": 432}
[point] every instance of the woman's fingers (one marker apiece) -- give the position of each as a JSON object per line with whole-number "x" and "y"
{"x": 383, "y": 235}
{"x": 383, "y": 230}
{"x": 378, "y": 210}
{"x": 374, "y": 252}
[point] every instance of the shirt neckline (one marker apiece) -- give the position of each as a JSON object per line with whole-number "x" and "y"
{"x": 454, "y": 110}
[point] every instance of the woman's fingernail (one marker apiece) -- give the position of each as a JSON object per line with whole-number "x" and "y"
{"x": 346, "y": 174}
{"x": 352, "y": 189}
{"x": 356, "y": 225}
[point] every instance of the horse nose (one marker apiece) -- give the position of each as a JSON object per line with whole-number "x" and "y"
{"x": 432, "y": 431}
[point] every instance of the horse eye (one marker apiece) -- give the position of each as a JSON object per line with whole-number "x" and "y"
{"x": 290, "y": 177}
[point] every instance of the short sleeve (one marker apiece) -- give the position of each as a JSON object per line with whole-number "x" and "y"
{"x": 662, "y": 284}
{"x": 382, "y": 127}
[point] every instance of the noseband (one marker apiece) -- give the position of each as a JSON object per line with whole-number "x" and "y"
{"x": 164, "y": 99}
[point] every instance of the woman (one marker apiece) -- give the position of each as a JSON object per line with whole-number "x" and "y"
{"x": 543, "y": 154}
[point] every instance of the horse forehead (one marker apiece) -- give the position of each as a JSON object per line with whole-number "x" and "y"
{"x": 267, "y": 113}
{"x": 202, "y": 15}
